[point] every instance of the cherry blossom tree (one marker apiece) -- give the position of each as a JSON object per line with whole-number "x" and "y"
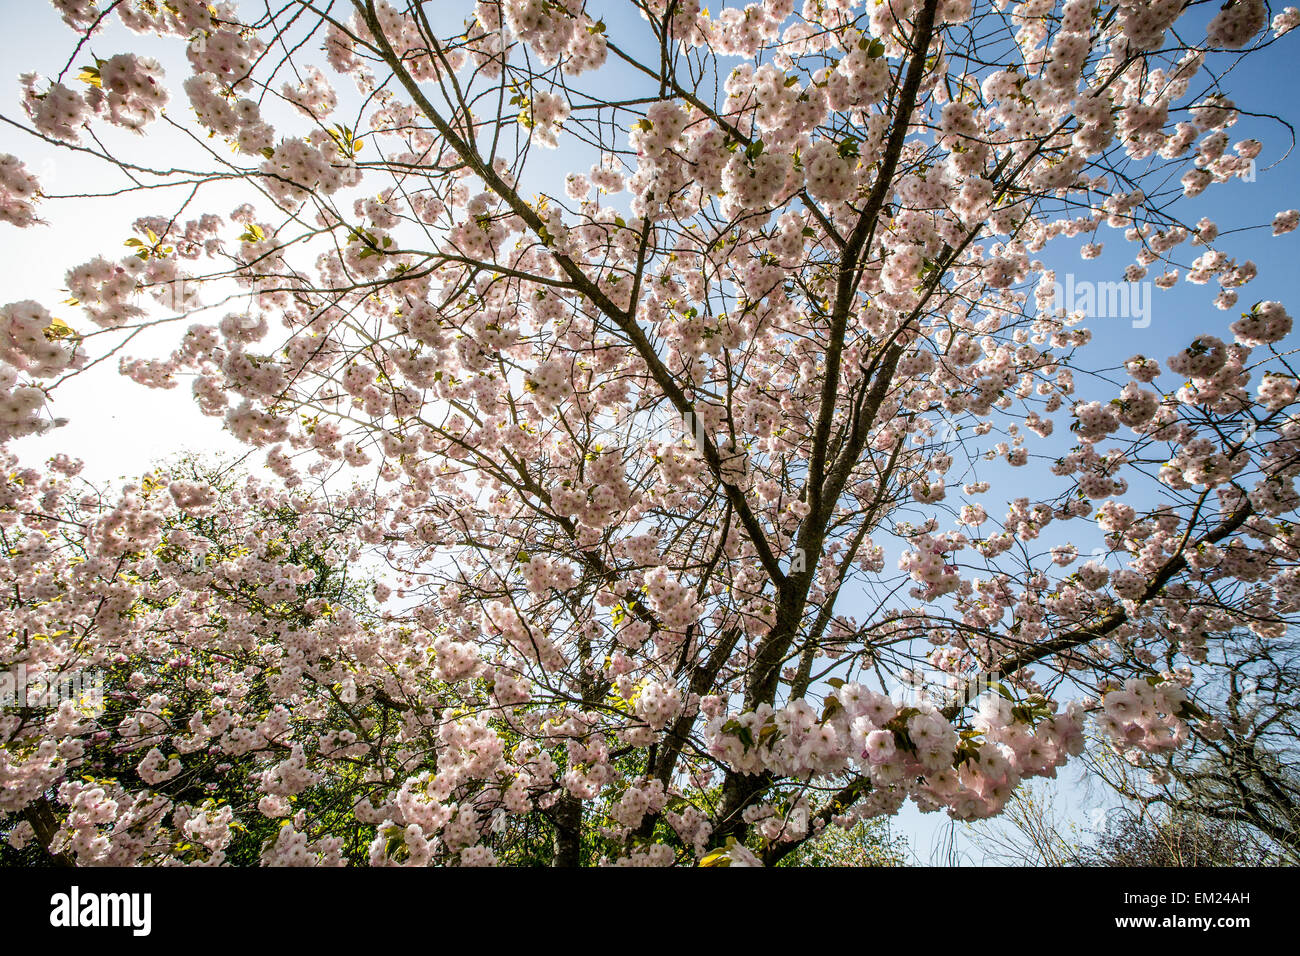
{"x": 202, "y": 606}
{"x": 709, "y": 380}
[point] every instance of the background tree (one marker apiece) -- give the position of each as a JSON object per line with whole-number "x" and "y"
{"x": 1174, "y": 839}
{"x": 1242, "y": 765}
{"x": 192, "y": 607}
{"x": 1031, "y": 831}
{"x": 866, "y": 843}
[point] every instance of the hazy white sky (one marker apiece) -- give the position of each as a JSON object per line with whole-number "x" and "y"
{"x": 116, "y": 426}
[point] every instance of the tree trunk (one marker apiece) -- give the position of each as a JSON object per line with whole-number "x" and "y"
{"x": 567, "y": 819}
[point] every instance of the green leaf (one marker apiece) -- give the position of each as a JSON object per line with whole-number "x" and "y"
{"x": 717, "y": 857}
{"x": 58, "y": 329}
